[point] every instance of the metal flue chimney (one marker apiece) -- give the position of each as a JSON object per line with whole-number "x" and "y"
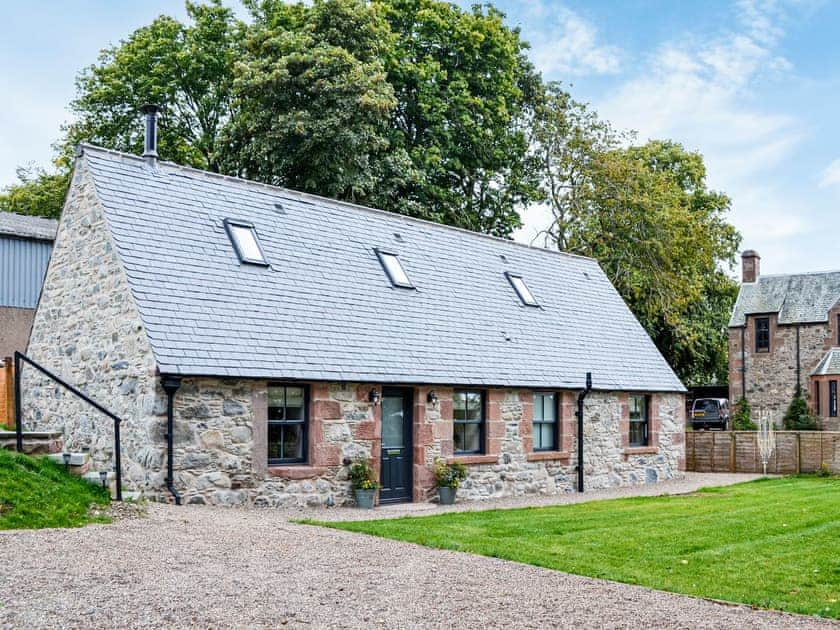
{"x": 150, "y": 153}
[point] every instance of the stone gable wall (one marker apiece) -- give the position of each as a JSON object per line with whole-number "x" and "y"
{"x": 87, "y": 330}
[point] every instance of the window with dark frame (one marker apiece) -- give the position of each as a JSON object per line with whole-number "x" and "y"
{"x": 287, "y": 424}
{"x": 832, "y": 399}
{"x": 243, "y": 236}
{"x": 522, "y": 290}
{"x": 838, "y": 329}
{"x": 639, "y": 420}
{"x": 762, "y": 334}
{"x": 394, "y": 270}
{"x": 468, "y": 425}
{"x": 545, "y": 421}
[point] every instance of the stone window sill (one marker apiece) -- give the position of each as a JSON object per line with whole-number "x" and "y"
{"x": 543, "y": 456}
{"x": 473, "y": 459}
{"x": 641, "y": 450}
{"x": 296, "y": 472}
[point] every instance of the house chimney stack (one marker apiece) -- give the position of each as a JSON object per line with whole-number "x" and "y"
{"x": 750, "y": 265}
{"x": 150, "y": 150}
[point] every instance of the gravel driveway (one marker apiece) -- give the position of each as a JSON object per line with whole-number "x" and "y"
{"x": 209, "y": 567}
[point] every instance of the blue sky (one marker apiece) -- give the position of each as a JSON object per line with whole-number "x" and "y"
{"x": 752, "y": 85}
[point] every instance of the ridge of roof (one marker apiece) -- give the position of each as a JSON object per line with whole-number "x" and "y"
{"x": 796, "y": 275}
{"x": 319, "y": 198}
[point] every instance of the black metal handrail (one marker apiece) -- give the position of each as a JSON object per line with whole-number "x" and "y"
{"x": 19, "y": 358}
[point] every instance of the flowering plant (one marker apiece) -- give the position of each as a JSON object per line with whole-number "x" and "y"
{"x": 449, "y": 475}
{"x": 363, "y": 476}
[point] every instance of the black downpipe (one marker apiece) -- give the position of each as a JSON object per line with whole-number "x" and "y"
{"x": 579, "y": 413}
{"x": 744, "y": 361}
{"x": 170, "y": 385}
{"x": 798, "y": 366}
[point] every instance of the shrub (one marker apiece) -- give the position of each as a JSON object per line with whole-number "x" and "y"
{"x": 449, "y": 475}
{"x": 798, "y": 417}
{"x": 363, "y": 476}
{"x": 824, "y": 470}
{"x": 742, "y": 419}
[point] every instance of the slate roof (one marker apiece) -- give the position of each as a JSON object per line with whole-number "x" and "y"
{"x": 830, "y": 364}
{"x": 797, "y": 298}
{"x": 22, "y": 226}
{"x": 325, "y": 310}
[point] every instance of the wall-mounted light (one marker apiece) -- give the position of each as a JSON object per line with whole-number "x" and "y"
{"x": 66, "y": 457}
{"x": 374, "y": 397}
{"x": 432, "y": 397}
{"x": 103, "y": 477}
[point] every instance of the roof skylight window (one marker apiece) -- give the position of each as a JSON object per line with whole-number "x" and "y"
{"x": 393, "y": 267}
{"x": 243, "y": 235}
{"x": 522, "y": 289}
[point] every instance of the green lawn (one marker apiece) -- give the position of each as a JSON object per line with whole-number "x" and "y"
{"x": 773, "y": 543}
{"x": 36, "y": 492}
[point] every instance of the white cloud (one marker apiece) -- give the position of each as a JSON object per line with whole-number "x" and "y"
{"x": 701, "y": 91}
{"x": 567, "y": 44}
{"x": 830, "y": 175}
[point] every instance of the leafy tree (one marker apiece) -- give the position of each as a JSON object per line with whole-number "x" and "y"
{"x": 742, "y": 418}
{"x": 798, "y": 417}
{"x": 645, "y": 213}
{"x": 463, "y": 86}
{"x": 187, "y": 68}
{"x": 313, "y": 104}
{"x": 37, "y": 192}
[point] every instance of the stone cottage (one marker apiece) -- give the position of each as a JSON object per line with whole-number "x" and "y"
{"x": 289, "y": 334}
{"x": 784, "y": 338}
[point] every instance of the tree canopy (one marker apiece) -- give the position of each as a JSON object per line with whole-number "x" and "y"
{"x": 426, "y": 109}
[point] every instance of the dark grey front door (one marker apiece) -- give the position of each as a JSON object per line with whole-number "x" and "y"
{"x": 396, "y": 445}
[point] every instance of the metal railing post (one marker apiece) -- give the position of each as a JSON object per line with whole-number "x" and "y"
{"x": 18, "y": 415}
{"x": 117, "y": 462}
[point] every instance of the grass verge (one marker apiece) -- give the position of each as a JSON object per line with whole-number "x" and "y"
{"x": 36, "y": 492}
{"x": 771, "y": 543}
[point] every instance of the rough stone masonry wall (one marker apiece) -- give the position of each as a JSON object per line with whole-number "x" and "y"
{"x": 771, "y": 376}
{"x": 87, "y": 330}
{"x": 220, "y": 444}
{"x": 608, "y": 460}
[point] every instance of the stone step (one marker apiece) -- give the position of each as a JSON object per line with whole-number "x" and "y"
{"x": 34, "y": 442}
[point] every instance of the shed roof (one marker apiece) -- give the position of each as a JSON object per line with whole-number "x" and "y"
{"x": 830, "y": 364}
{"x": 325, "y": 310}
{"x": 22, "y": 226}
{"x": 797, "y": 298}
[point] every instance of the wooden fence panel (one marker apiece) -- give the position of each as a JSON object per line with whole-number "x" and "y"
{"x": 737, "y": 451}
{"x": 7, "y": 393}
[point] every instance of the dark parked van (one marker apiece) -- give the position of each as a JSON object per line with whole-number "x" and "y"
{"x": 710, "y": 413}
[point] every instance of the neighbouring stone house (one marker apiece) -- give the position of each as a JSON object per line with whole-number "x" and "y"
{"x": 296, "y": 333}
{"x": 784, "y": 338}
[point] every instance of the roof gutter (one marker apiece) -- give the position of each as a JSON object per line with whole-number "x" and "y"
{"x": 170, "y": 385}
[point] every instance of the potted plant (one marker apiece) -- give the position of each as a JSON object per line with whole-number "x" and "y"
{"x": 448, "y": 477}
{"x": 365, "y": 485}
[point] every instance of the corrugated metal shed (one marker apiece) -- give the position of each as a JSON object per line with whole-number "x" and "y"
{"x": 23, "y": 263}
